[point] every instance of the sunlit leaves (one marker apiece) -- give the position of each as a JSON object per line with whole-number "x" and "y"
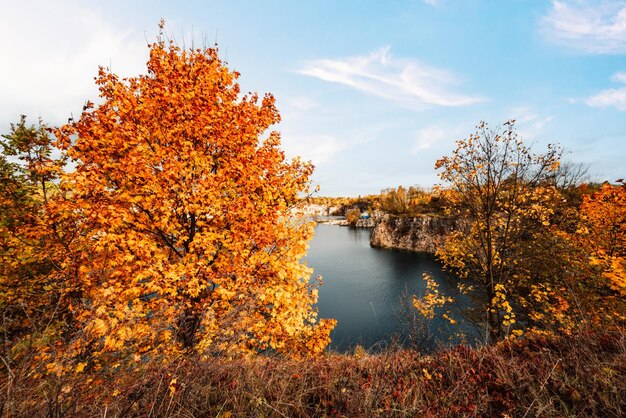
{"x": 33, "y": 243}
{"x": 192, "y": 244}
{"x": 603, "y": 228}
{"x": 432, "y": 300}
{"x": 503, "y": 196}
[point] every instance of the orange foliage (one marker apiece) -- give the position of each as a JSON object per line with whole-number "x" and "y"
{"x": 604, "y": 226}
{"x": 431, "y": 300}
{"x": 32, "y": 244}
{"x": 353, "y": 215}
{"x": 188, "y": 240}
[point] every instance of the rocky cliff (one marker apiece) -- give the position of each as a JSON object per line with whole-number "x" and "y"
{"x": 312, "y": 209}
{"x": 422, "y": 233}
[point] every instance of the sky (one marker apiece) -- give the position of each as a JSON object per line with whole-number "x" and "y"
{"x": 372, "y": 92}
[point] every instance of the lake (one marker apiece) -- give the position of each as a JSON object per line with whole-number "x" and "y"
{"x": 368, "y": 291}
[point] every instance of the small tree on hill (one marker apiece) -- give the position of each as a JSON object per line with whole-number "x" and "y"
{"x": 502, "y": 195}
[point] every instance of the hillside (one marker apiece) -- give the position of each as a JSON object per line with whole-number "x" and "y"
{"x": 578, "y": 375}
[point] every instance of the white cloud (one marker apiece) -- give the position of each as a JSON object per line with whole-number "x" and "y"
{"x": 611, "y": 97}
{"x": 597, "y": 26}
{"x": 619, "y": 77}
{"x": 405, "y": 81}
{"x": 539, "y": 124}
{"x": 317, "y": 148}
{"x": 428, "y": 137}
{"x": 529, "y": 123}
{"x": 434, "y": 3}
{"x": 51, "y": 52}
{"x": 524, "y": 115}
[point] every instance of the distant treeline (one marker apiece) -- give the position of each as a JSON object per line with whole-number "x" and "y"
{"x": 416, "y": 200}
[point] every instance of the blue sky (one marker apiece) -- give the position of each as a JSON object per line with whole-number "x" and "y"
{"x": 372, "y": 92}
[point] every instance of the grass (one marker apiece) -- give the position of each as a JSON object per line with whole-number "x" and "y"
{"x": 578, "y": 375}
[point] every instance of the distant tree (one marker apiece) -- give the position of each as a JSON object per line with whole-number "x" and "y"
{"x": 353, "y": 215}
{"x": 571, "y": 175}
{"x": 402, "y": 201}
{"x": 394, "y": 200}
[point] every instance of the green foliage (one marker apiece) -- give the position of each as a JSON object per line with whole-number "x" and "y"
{"x": 28, "y": 171}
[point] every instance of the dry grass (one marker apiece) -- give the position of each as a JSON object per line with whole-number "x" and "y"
{"x": 580, "y": 375}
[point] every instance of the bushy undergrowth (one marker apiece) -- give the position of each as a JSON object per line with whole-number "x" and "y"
{"x": 579, "y": 375}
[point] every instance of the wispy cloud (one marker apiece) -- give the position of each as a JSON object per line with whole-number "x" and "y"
{"x": 525, "y": 115}
{"x": 53, "y": 54}
{"x": 529, "y": 122}
{"x": 619, "y": 77}
{"x": 596, "y": 26}
{"x": 405, "y": 81}
{"x": 427, "y": 137}
{"x": 434, "y": 3}
{"x": 611, "y": 97}
{"x": 317, "y": 148}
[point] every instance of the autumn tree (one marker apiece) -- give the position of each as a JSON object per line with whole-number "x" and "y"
{"x": 353, "y": 215}
{"x": 395, "y": 200}
{"x": 192, "y": 242}
{"x": 32, "y": 308}
{"x": 405, "y": 202}
{"x": 571, "y": 175}
{"x": 502, "y": 195}
{"x": 603, "y": 228}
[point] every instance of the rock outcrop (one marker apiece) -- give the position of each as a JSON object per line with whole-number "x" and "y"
{"x": 313, "y": 209}
{"x": 422, "y": 233}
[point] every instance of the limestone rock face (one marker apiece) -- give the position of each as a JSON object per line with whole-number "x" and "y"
{"x": 421, "y": 234}
{"x": 312, "y": 209}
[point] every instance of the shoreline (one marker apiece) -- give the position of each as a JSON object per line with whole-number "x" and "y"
{"x": 339, "y": 222}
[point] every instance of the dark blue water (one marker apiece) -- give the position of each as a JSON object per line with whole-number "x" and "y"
{"x": 368, "y": 291}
